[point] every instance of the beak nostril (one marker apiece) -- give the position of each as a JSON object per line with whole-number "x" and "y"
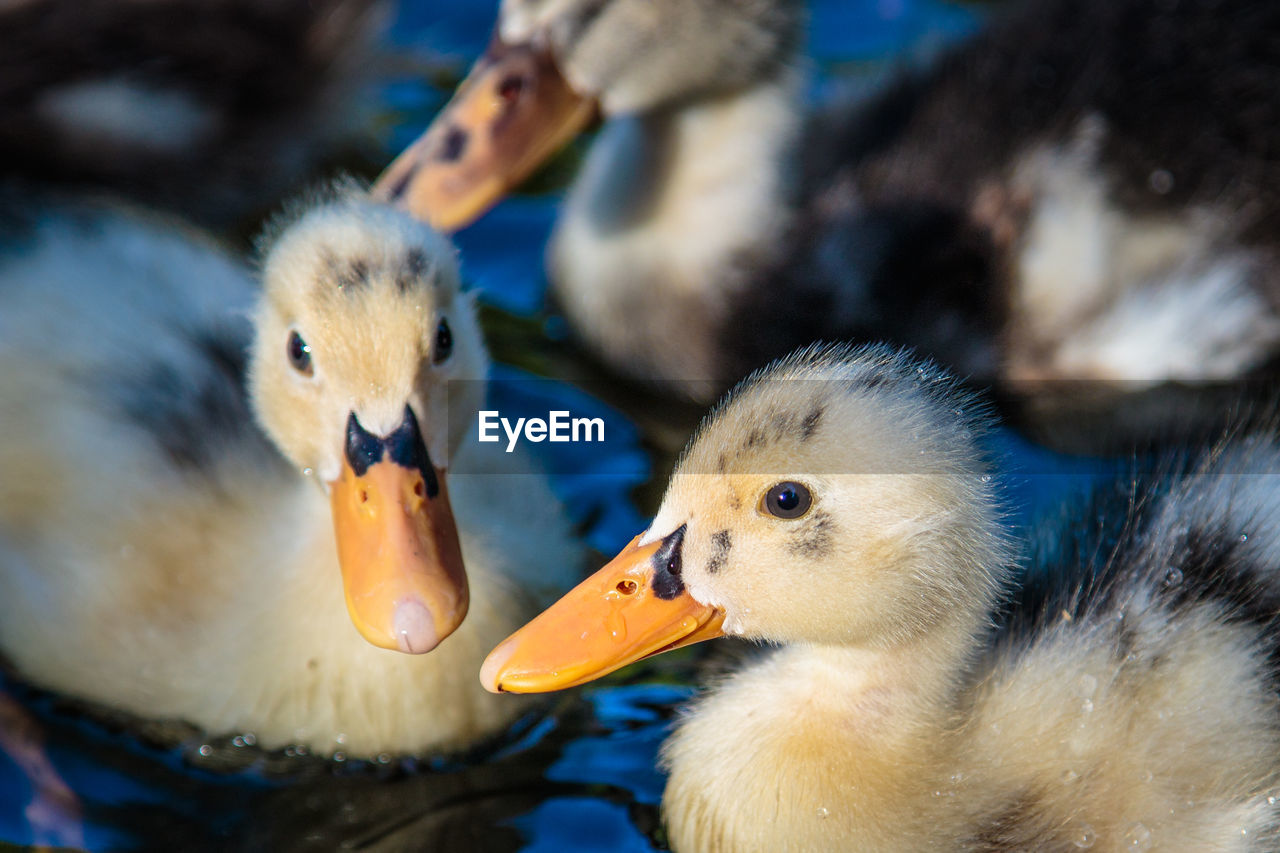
{"x": 510, "y": 87}
{"x": 419, "y": 489}
{"x": 364, "y": 496}
{"x": 627, "y": 587}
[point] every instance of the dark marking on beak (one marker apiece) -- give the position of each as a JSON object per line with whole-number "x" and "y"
{"x": 410, "y": 451}
{"x": 454, "y": 145}
{"x": 404, "y": 445}
{"x": 364, "y": 449}
{"x": 667, "y": 564}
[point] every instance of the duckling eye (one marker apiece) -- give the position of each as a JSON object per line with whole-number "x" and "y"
{"x": 444, "y": 342}
{"x": 787, "y": 500}
{"x": 299, "y": 354}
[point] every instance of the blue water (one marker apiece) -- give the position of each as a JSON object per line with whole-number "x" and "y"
{"x": 580, "y": 774}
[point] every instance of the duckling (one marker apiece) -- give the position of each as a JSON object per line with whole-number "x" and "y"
{"x": 923, "y": 694}
{"x": 213, "y": 110}
{"x": 1080, "y": 192}
{"x": 276, "y": 554}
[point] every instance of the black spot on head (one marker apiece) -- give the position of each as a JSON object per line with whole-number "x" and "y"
{"x": 667, "y": 565}
{"x": 722, "y": 463}
{"x": 781, "y": 424}
{"x": 755, "y": 438}
{"x": 809, "y": 425}
{"x": 813, "y": 537}
{"x": 349, "y": 275}
{"x": 415, "y": 264}
{"x": 721, "y": 542}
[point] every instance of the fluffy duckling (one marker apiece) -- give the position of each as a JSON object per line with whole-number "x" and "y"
{"x": 210, "y": 109}
{"x": 836, "y": 506}
{"x": 1072, "y": 195}
{"x": 179, "y": 544}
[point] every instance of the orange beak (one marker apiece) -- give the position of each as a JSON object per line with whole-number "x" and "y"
{"x": 511, "y": 113}
{"x": 402, "y": 569}
{"x": 611, "y": 619}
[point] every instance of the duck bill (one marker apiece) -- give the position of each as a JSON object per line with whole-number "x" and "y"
{"x": 401, "y": 562}
{"x": 611, "y": 619}
{"x": 513, "y": 111}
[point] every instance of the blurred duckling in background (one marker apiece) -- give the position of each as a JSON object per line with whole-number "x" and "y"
{"x": 921, "y": 697}
{"x": 213, "y": 110}
{"x": 1083, "y": 191}
{"x": 167, "y": 532}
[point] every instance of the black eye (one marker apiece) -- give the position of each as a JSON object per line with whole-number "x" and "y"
{"x": 787, "y": 500}
{"x": 299, "y": 354}
{"x": 444, "y": 342}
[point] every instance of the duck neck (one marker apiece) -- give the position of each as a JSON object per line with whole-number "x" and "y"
{"x": 670, "y": 212}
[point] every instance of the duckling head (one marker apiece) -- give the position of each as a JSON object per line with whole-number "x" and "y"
{"x": 837, "y": 497}
{"x": 554, "y": 65}
{"x": 366, "y": 364}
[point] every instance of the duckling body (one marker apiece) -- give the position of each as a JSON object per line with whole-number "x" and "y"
{"x": 1067, "y": 196}
{"x": 924, "y": 693}
{"x": 160, "y": 554}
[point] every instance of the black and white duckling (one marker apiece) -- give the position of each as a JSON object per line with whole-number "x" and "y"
{"x": 211, "y": 109}
{"x": 182, "y": 545}
{"x": 836, "y": 505}
{"x": 1083, "y": 191}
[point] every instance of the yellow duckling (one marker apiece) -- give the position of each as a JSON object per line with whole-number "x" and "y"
{"x": 167, "y": 532}
{"x": 836, "y": 505}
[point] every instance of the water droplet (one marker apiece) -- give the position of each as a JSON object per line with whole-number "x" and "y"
{"x": 957, "y": 778}
{"x": 1137, "y": 837}
{"x": 238, "y": 741}
{"x": 249, "y": 738}
{"x": 205, "y": 750}
{"x": 301, "y": 749}
{"x": 307, "y": 472}
{"x": 290, "y": 751}
{"x": 339, "y": 756}
{"x": 1070, "y": 776}
{"x": 1160, "y": 181}
{"x": 1086, "y": 706}
{"x": 1087, "y": 686}
{"x": 384, "y": 758}
{"x": 1271, "y": 801}
{"x": 986, "y": 478}
{"x": 1173, "y": 577}
{"x": 339, "y": 738}
{"x": 822, "y": 811}
{"x": 1244, "y": 537}
{"x": 1084, "y": 836}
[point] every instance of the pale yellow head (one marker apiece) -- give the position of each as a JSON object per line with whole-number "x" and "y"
{"x": 839, "y": 497}
{"x": 367, "y": 366}
{"x": 372, "y": 294}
